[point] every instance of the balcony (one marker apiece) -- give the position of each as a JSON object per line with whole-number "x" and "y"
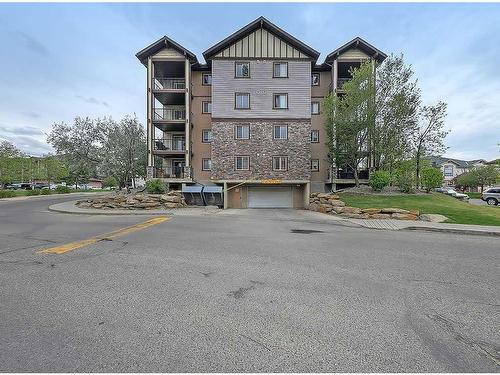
{"x": 171, "y": 145}
{"x": 170, "y": 113}
{"x": 178, "y": 172}
{"x": 340, "y": 83}
{"x": 169, "y": 84}
{"x": 346, "y": 175}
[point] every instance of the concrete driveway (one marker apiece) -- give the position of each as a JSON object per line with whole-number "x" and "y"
{"x": 248, "y": 290}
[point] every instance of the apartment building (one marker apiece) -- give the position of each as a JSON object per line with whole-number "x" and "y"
{"x": 249, "y": 119}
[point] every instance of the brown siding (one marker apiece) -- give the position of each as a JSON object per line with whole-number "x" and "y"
{"x": 320, "y": 150}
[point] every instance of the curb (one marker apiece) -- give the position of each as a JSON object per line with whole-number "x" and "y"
{"x": 455, "y": 231}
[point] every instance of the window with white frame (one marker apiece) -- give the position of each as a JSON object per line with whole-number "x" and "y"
{"x": 315, "y": 165}
{"x": 280, "y": 70}
{"x": 242, "y": 131}
{"x": 280, "y": 132}
{"x": 242, "y": 100}
{"x": 314, "y": 136}
{"x": 448, "y": 170}
{"x": 242, "y": 70}
{"x": 206, "y": 135}
{"x": 280, "y": 101}
{"x": 206, "y": 107}
{"x": 315, "y": 108}
{"x": 206, "y": 164}
{"x": 206, "y": 79}
{"x": 242, "y": 163}
{"x": 315, "y": 79}
{"x": 280, "y": 163}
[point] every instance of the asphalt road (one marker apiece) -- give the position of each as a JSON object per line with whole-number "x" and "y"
{"x": 242, "y": 291}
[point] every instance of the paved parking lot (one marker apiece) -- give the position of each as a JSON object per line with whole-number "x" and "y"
{"x": 250, "y": 290}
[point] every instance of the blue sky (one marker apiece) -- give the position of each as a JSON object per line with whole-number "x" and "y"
{"x": 63, "y": 60}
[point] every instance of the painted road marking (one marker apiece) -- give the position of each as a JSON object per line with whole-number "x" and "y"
{"x": 116, "y": 233}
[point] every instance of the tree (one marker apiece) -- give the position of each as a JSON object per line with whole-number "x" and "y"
{"x": 397, "y": 99}
{"x": 432, "y": 178}
{"x": 479, "y": 177}
{"x": 350, "y": 119}
{"x": 109, "y": 182}
{"x": 428, "y": 136}
{"x": 9, "y": 150}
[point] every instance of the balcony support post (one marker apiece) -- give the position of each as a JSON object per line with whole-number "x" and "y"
{"x": 187, "y": 77}
{"x": 149, "y": 125}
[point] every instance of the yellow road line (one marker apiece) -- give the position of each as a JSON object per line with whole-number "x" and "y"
{"x": 116, "y": 233}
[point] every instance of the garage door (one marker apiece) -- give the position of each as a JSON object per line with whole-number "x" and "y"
{"x": 270, "y": 197}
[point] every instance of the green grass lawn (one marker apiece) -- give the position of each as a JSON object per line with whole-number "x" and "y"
{"x": 474, "y": 195}
{"x": 436, "y": 203}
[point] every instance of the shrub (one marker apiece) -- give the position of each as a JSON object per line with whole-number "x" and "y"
{"x": 63, "y": 189}
{"x": 432, "y": 178}
{"x": 405, "y": 177}
{"x": 33, "y": 192}
{"x": 7, "y": 194}
{"x": 45, "y": 192}
{"x": 109, "y": 182}
{"x": 379, "y": 180}
{"x": 155, "y": 186}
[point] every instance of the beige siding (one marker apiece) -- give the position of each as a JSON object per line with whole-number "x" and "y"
{"x": 353, "y": 54}
{"x": 261, "y": 87}
{"x": 168, "y": 53}
{"x": 260, "y": 44}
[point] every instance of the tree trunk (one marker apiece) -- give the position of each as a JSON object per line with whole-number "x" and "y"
{"x": 356, "y": 177}
{"x": 417, "y": 174}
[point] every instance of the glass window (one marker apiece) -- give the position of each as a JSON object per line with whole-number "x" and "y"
{"x": 280, "y": 131}
{"x": 280, "y": 163}
{"x": 315, "y": 165}
{"x": 242, "y": 163}
{"x": 280, "y": 70}
{"x": 280, "y": 101}
{"x": 242, "y": 70}
{"x": 242, "y": 101}
{"x": 242, "y": 132}
{"x": 206, "y": 79}
{"x": 206, "y": 107}
{"x": 206, "y": 136}
{"x": 206, "y": 164}
{"x": 448, "y": 170}
{"x": 315, "y": 108}
{"x": 315, "y": 79}
{"x": 314, "y": 136}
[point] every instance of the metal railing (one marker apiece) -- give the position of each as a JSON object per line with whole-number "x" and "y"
{"x": 169, "y": 113}
{"x": 169, "y": 83}
{"x": 169, "y": 172}
{"x": 170, "y": 144}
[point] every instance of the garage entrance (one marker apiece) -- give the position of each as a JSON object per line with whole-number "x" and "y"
{"x": 270, "y": 197}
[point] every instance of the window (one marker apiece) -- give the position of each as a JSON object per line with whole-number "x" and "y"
{"x": 242, "y": 132}
{"x": 280, "y": 163}
{"x": 448, "y": 170}
{"x": 315, "y": 79}
{"x": 206, "y": 107}
{"x": 242, "y": 101}
{"x": 280, "y": 101}
{"x": 280, "y": 70}
{"x": 242, "y": 163}
{"x": 206, "y": 164}
{"x": 242, "y": 70}
{"x": 206, "y": 135}
{"x": 314, "y": 136}
{"x": 315, "y": 165}
{"x": 206, "y": 79}
{"x": 315, "y": 108}
{"x": 280, "y": 131}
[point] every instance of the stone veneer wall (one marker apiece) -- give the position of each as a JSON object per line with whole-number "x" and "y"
{"x": 261, "y": 147}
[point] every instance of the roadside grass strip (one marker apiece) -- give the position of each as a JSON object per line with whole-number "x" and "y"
{"x": 104, "y": 237}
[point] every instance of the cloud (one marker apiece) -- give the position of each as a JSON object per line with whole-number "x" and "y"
{"x": 31, "y": 114}
{"x": 29, "y": 145}
{"x": 20, "y": 130}
{"x": 32, "y": 43}
{"x": 92, "y": 100}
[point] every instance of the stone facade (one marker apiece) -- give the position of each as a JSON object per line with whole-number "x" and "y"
{"x": 261, "y": 147}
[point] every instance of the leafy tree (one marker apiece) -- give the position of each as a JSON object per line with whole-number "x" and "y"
{"x": 379, "y": 180}
{"x": 156, "y": 186}
{"x": 351, "y": 118}
{"x": 479, "y": 177}
{"x": 9, "y": 150}
{"x": 404, "y": 176}
{"x": 432, "y": 178}
{"x": 110, "y": 182}
{"x": 428, "y": 137}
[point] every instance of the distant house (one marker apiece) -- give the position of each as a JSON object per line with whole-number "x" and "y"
{"x": 94, "y": 183}
{"x": 452, "y": 168}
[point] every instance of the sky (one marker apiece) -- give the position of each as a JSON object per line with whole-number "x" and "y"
{"x": 61, "y": 60}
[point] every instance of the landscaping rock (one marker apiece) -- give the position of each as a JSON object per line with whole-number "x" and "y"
{"x": 399, "y": 216}
{"x": 380, "y": 216}
{"x": 394, "y": 211}
{"x": 433, "y": 218}
{"x": 370, "y": 210}
{"x": 173, "y": 199}
{"x": 351, "y": 210}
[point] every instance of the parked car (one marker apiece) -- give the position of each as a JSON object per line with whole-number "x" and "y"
{"x": 40, "y": 185}
{"x": 456, "y": 194}
{"x": 491, "y": 196}
{"x": 12, "y": 186}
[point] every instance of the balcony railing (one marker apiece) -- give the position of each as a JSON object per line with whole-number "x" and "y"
{"x": 169, "y": 114}
{"x": 169, "y": 83}
{"x": 340, "y": 82}
{"x": 169, "y": 172}
{"x": 170, "y": 144}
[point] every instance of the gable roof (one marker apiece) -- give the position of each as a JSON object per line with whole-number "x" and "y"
{"x": 164, "y": 42}
{"x": 264, "y": 23}
{"x": 360, "y": 44}
{"x": 440, "y": 160}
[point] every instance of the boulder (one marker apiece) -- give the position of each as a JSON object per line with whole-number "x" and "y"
{"x": 336, "y": 203}
{"x": 394, "y": 211}
{"x": 351, "y": 215}
{"x": 399, "y": 216}
{"x": 324, "y": 208}
{"x": 370, "y": 211}
{"x": 313, "y": 206}
{"x": 433, "y": 218}
{"x": 380, "y": 216}
{"x": 170, "y": 205}
{"x": 338, "y": 209}
{"x": 351, "y": 210}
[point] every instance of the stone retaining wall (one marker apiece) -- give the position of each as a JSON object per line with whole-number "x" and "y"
{"x": 172, "y": 199}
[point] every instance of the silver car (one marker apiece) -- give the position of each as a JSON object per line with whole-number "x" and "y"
{"x": 491, "y": 196}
